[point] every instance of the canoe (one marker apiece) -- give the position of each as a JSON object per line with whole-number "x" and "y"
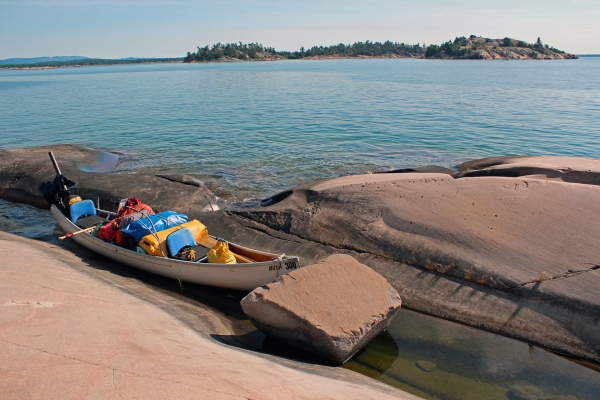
{"x": 242, "y": 276}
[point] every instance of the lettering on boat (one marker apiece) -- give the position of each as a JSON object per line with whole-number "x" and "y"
{"x": 291, "y": 265}
{"x": 274, "y": 267}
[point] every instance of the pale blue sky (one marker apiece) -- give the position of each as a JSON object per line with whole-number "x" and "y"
{"x": 171, "y": 28}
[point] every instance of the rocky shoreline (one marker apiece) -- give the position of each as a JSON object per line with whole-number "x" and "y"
{"x": 75, "y": 326}
{"x": 507, "y": 245}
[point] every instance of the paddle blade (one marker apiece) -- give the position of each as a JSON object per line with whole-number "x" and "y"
{"x": 207, "y": 241}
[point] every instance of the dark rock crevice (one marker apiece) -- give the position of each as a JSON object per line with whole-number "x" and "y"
{"x": 543, "y": 278}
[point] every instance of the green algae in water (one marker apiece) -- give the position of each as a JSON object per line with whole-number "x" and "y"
{"x": 466, "y": 363}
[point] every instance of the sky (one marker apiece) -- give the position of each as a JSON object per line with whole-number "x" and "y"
{"x": 171, "y": 28}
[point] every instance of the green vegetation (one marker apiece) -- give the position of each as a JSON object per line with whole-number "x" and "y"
{"x": 256, "y": 51}
{"x": 460, "y": 47}
{"x": 240, "y": 51}
{"x": 450, "y": 48}
{"x": 367, "y": 48}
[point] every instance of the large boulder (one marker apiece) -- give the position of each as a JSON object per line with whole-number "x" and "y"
{"x": 333, "y": 308}
{"x": 96, "y": 173}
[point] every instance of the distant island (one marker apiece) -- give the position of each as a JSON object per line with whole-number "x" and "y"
{"x": 461, "y": 48}
{"x": 76, "y": 61}
{"x": 40, "y": 60}
{"x": 473, "y": 48}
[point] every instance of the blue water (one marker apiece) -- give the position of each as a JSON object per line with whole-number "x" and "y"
{"x": 250, "y": 129}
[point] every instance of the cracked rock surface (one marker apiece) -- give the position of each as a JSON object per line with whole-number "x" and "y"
{"x": 332, "y": 309}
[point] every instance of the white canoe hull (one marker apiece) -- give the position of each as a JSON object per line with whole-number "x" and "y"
{"x": 243, "y": 276}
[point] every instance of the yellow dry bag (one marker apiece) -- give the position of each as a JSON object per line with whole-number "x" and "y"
{"x": 221, "y": 254}
{"x": 155, "y": 243}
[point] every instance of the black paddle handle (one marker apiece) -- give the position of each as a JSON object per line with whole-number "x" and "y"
{"x": 54, "y": 163}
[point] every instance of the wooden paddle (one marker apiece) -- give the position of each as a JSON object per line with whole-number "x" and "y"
{"x": 71, "y": 234}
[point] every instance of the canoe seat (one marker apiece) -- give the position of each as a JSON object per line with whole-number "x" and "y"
{"x": 90, "y": 221}
{"x": 81, "y": 208}
{"x": 180, "y": 238}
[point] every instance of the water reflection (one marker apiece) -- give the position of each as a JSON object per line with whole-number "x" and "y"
{"x": 107, "y": 162}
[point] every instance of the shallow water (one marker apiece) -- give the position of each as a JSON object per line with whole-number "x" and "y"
{"x": 468, "y": 363}
{"x": 252, "y": 129}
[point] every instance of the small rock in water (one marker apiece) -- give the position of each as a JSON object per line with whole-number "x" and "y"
{"x": 332, "y": 309}
{"x": 426, "y": 365}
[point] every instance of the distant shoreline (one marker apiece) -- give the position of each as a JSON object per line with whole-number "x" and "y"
{"x": 85, "y": 63}
{"x": 461, "y": 48}
{"x": 227, "y": 60}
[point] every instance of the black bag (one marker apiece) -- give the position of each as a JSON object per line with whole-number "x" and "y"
{"x": 57, "y": 192}
{"x": 129, "y": 242}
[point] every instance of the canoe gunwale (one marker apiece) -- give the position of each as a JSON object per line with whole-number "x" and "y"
{"x": 220, "y": 275}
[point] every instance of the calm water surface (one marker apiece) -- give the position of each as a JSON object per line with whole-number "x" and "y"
{"x": 251, "y": 129}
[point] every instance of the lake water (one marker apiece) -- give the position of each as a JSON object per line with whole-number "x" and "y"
{"x": 249, "y": 130}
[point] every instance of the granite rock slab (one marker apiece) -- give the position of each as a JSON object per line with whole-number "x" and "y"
{"x": 332, "y": 309}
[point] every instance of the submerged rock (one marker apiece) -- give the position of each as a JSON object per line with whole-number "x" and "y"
{"x": 331, "y": 309}
{"x": 426, "y": 365}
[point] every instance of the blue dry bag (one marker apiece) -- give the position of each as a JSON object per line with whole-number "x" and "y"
{"x": 154, "y": 223}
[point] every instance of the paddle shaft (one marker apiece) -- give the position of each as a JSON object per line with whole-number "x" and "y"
{"x": 56, "y": 168}
{"x": 70, "y": 234}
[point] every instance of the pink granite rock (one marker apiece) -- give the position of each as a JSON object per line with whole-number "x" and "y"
{"x": 332, "y": 309}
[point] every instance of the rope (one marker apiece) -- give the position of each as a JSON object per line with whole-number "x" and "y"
{"x": 188, "y": 252}
{"x": 155, "y": 232}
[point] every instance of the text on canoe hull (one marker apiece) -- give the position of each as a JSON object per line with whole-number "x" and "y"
{"x": 289, "y": 265}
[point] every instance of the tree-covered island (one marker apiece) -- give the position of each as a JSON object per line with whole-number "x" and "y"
{"x": 473, "y": 47}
